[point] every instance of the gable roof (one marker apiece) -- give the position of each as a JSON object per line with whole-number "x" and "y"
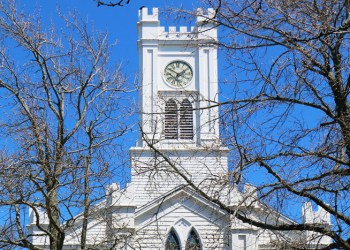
{"x": 175, "y": 198}
{"x": 181, "y": 196}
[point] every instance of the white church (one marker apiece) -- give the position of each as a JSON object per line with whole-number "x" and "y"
{"x": 179, "y": 179}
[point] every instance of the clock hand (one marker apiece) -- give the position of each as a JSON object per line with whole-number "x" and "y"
{"x": 181, "y": 73}
{"x": 173, "y": 71}
{"x": 175, "y": 79}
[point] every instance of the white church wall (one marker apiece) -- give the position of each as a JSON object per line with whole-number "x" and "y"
{"x": 152, "y": 178}
{"x": 183, "y": 213}
{"x": 96, "y": 233}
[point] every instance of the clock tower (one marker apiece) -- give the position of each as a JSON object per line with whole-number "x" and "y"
{"x": 179, "y": 127}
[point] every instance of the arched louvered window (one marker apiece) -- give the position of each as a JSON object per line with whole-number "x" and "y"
{"x": 186, "y": 120}
{"x": 172, "y": 242}
{"x": 193, "y": 242}
{"x": 171, "y": 120}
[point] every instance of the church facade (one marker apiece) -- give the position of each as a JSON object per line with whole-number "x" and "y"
{"x": 179, "y": 167}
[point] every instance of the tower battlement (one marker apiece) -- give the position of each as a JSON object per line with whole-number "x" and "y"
{"x": 144, "y": 14}
{"x": 182, "y": 32}
{"x": 202, "y": 16}
{"x": 149, "y": 26}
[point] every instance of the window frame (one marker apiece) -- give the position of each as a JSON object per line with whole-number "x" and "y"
{"x": 172, "y": 232}
{"x": 179, "y": 122}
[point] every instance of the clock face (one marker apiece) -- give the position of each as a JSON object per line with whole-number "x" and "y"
{"x": 178, "y": 74}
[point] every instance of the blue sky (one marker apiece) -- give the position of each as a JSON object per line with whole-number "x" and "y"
{"x": 119, "y": 22}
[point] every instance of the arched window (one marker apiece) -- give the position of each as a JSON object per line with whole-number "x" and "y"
{"x": 193, "y": 242}
{"x": 186, "y": 120}
{"x": 171, "y": 120}
{"x": 172, "y": 242}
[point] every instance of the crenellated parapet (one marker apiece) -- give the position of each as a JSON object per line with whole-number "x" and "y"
{"x": 205, "y": 17}
{"x": 149, "y": 27}
{"x": 173, "y": 33}
{"x": 144, "y": 15}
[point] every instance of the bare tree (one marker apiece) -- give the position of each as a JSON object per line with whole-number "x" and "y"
{"x": 61, "y": 102}
{"x": 288, "y": 117}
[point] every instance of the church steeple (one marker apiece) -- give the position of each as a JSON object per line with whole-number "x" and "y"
{"x": 179, "y": 85}
{"x": 179, "y": 81}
